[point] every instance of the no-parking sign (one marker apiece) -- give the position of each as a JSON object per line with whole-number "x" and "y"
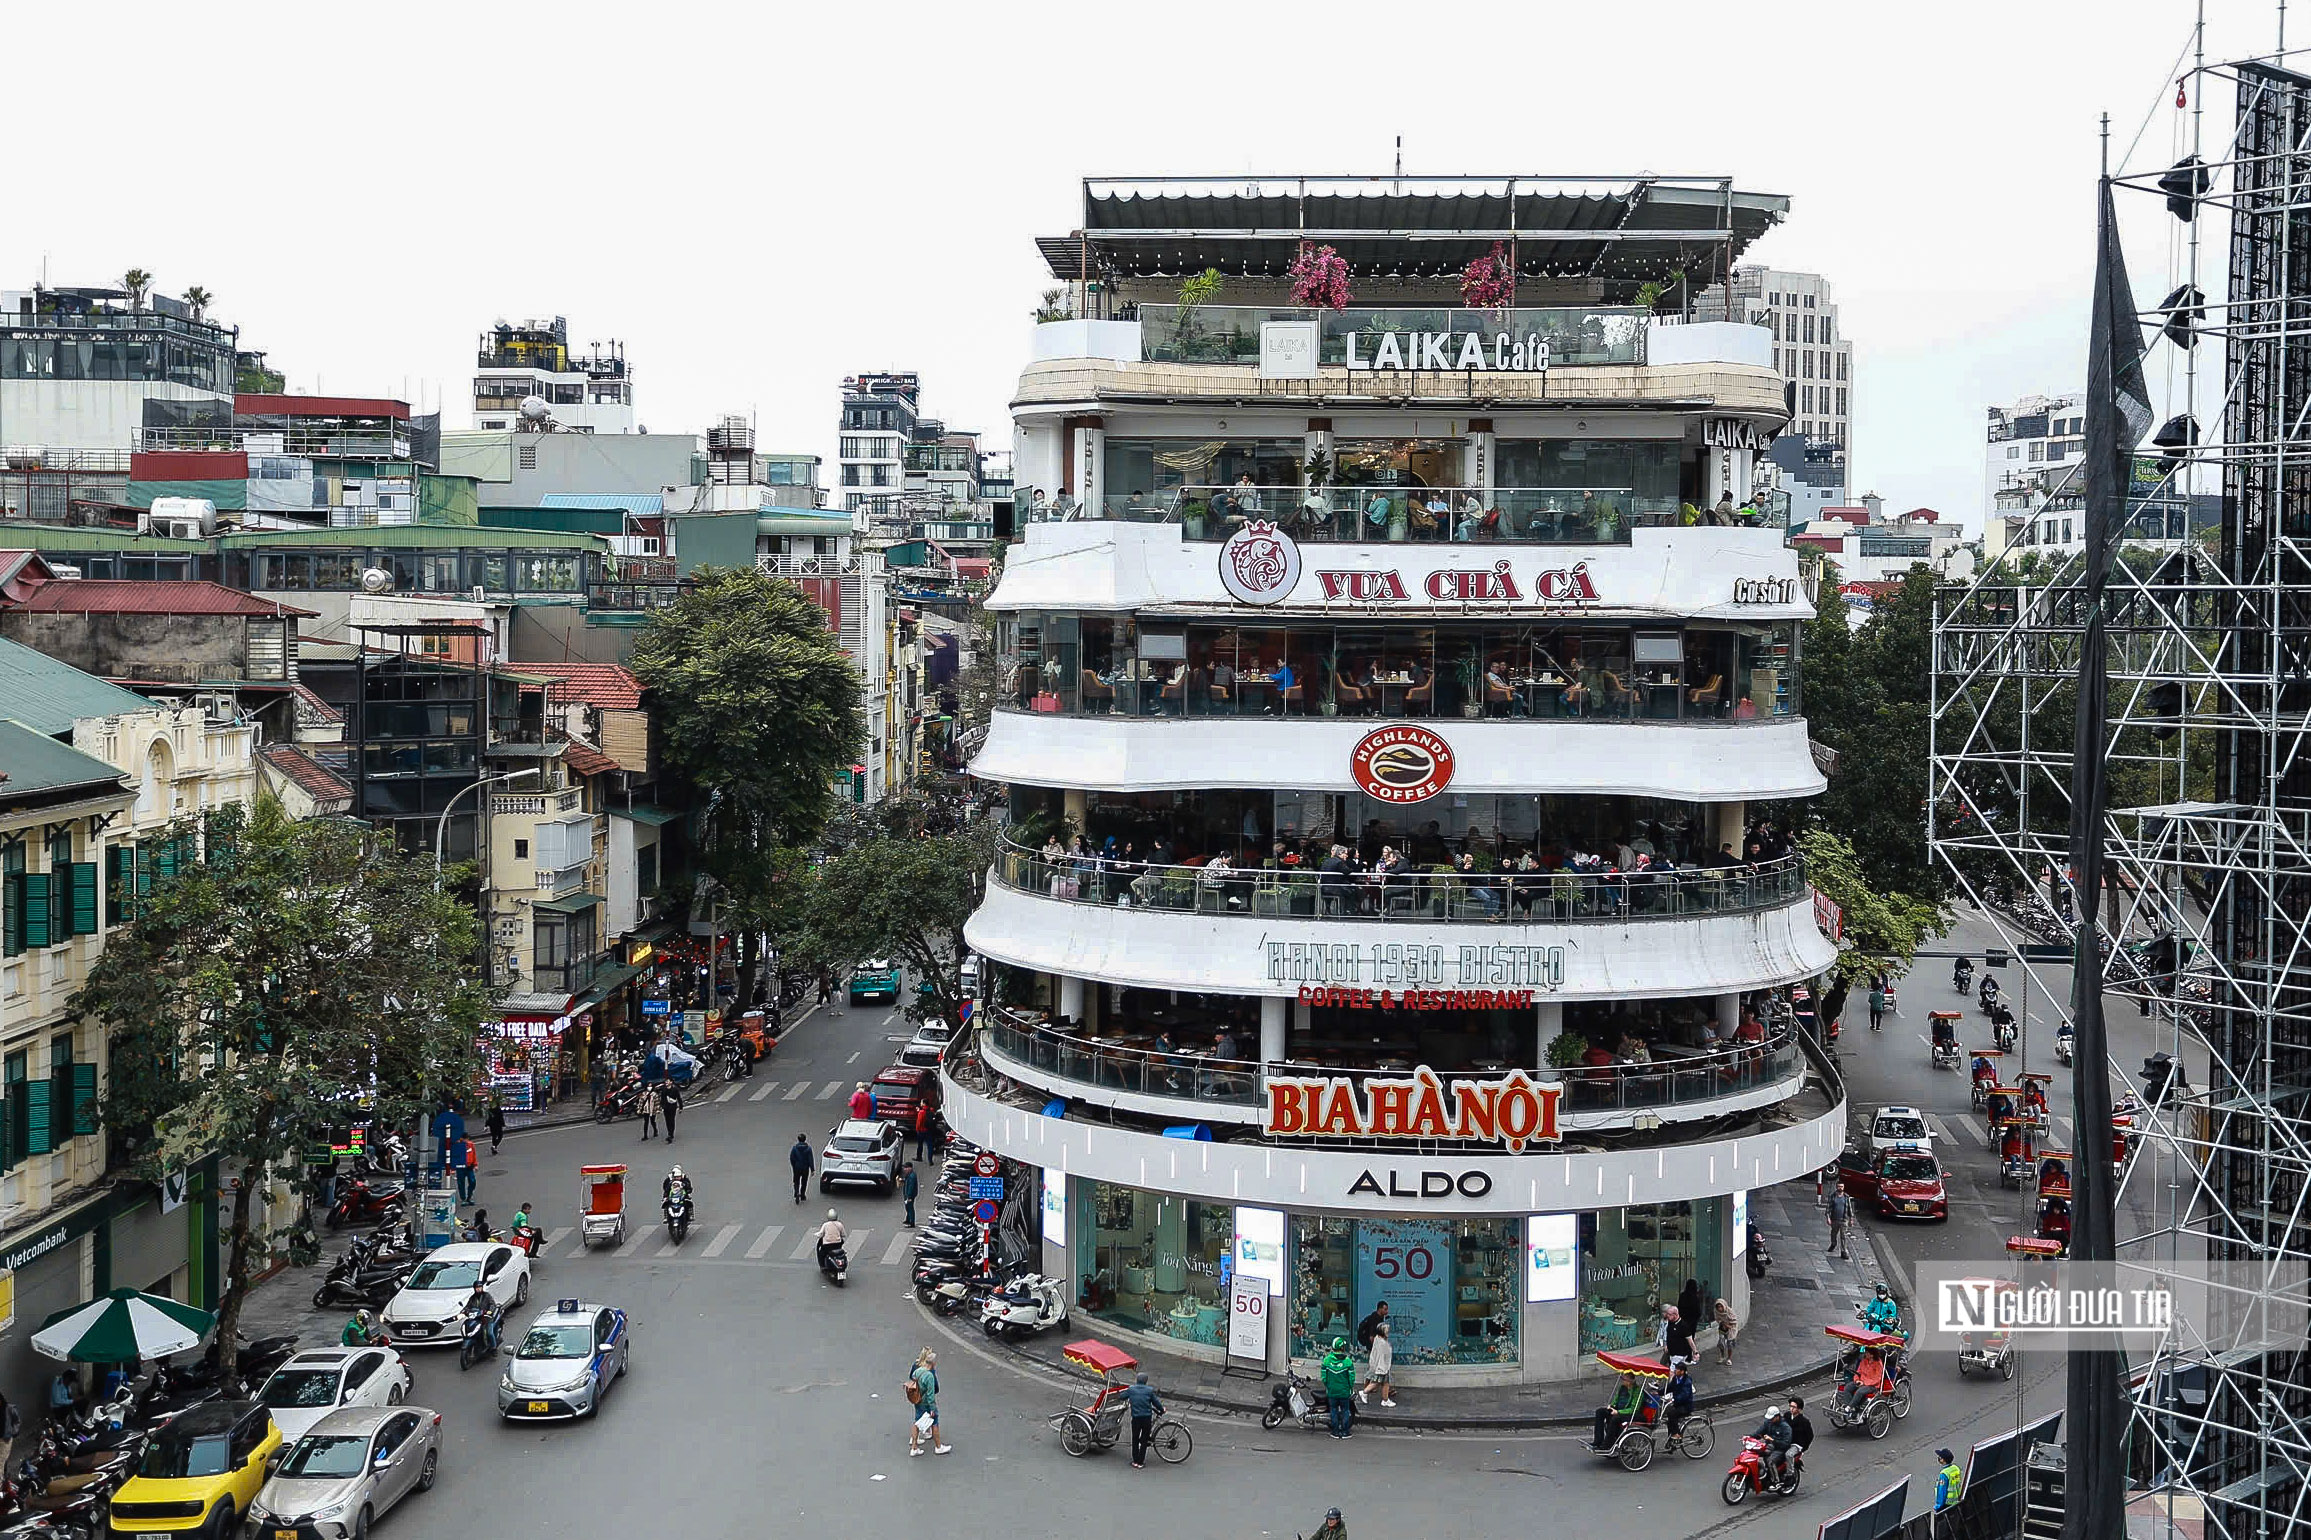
{"x": 984, "y": 1211}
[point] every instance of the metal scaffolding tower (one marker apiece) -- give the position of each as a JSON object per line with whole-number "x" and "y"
{"x": 2207, "y": 907}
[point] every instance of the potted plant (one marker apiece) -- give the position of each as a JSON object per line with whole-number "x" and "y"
{"x": 1300, "y": 893}
{"x": 1192, "y": 516}
{"x": 1196, "y": 291}
{"x": 1567, "y": 1049}
{"x": 1319, "y": 278}
{"x": 1471, "y": 686}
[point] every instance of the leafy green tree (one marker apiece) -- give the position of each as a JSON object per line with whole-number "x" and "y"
{"x": 1881, "y": 931}
{"x": 264, "y": 990}
{"x": 903, "y": 889}
{"x": 760, "y": 709}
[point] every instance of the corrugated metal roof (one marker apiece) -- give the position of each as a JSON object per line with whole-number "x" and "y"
{"x": 632, "y": 502}
{"x": 49, "y": 696}
{"x": 33, "y": 761}
{"x": 123, "y": 596}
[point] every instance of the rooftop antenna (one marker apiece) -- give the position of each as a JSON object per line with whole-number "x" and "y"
{"x": 1399, "y": 187}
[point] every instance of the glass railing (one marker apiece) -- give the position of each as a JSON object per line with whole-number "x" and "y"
{"x": 1670, "y": 1077}
{"x": 1390, "y": 514}
{"x": 1540, "y": 691}
{"x": 1511, "y": 339}
{"x": 1428, "y": 897}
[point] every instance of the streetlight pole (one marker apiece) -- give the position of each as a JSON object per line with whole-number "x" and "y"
{"x": 422, "y": 1155}
{"x": 441, "y": 825}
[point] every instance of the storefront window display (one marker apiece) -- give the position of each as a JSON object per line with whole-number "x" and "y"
{"x": 1151, "y": 1262}
{"x": 1451, "y": 1285}
{"x": 1636, "y": 1260}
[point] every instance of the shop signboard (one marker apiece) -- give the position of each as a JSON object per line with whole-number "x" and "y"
{"x": 1741, "y": 1223}
{"x": 1260, "y": 1245}
{"x": 1392, "y": 965}
{"x": 1511, "y": 1110}
{"x": 1401, "y": 765}
{"x": 1248, "y": 1302}
{"x": 1408, "y": 1263}
{"x": 657, "y": 1007}
{"x": 1054, "y": 1206}
{"x": 1551, "y": 1245}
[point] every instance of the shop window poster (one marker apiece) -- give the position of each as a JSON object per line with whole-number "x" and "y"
{"x": 1408, "y": 1263}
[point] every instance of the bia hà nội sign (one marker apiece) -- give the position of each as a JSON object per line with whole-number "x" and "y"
{"x": 1511, "y": 1110}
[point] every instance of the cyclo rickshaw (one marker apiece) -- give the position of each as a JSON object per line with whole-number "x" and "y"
{"x": 1098, "y": 1425}
{"x": 1985, "y": 1073}
{"x": 601, "y": 1205}
{"x": 1648, "y": 1432}
{"x": 2016, "y": 1140}
{"x": 1945, "y": 1035}
{"x": 2054, "y": 1216}
{"x": 2034, "y": 1094}
{"x": 1890, "y": 1400}
{"x": 2122, "y": 1134}
{"x": 1993, "y": 1351}
{"x": 2001, "y": 1102}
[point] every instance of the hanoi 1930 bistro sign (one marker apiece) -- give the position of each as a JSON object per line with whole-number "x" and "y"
{"x": 1414, "y": 965}
{"x": 1511, "y": 1110}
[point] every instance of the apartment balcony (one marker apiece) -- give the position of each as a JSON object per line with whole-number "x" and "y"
{"x": 782, "y": 564}
{"x": 305, "y": 443}
{"x": 537, "y": 804}
{"x": 561, "y": 884}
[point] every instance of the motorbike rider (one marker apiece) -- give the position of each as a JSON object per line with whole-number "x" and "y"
{"x": 1800, "y": 1428}
{"x": 1332, "y": 1528}
{"x": 479, "y": 1306}
{"x": 1962, "y": 974}
{"x": 478, "y": 1230}
{"x": 362, "y": 1330}
{"x": 676, "y": 1182}
{"x": 830, "y": 1236}
{"x": 1882, "y": 1313}
{"x": 524, "y": 1235}
{"x": 1780, "y": 1438}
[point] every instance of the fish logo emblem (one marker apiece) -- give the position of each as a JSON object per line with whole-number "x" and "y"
{"x": 1259, "y": 564}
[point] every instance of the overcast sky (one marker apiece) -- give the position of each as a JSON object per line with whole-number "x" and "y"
{"x": 760, "y": 199}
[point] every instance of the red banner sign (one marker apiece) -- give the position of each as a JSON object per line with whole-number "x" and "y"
{"x": 1513, "y": 1110}
{"x": 1419, "y": 999}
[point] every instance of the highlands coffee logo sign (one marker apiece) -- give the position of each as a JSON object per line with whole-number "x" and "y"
{"x": 1401, "y": 764}
{"x": 1512, "y": 1110}
{"x": 1259, "y": 564}
{"x": 1498, "y": 585}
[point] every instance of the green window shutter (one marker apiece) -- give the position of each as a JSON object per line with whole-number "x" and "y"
{"x": 19, "y": 1118}
{"x": 82, "y": 878}
{"x": 84, "y": 1113}
{"x": 115, "y": 884}
{"x": 39, "y": 1136}
{"x": 12, "y": 913}
{"x": 37, "y": 887}
{"x": 164, "y": 864}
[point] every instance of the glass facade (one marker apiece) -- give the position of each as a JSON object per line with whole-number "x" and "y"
{"x": 1151, "y": 1262}
{"x": 339, "y": 569}
{"x": 1636, "y": 1260}
{"x": 1451, "y": 1285}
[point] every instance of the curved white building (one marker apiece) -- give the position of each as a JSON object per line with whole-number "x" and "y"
{"x": 1413, "y": 722}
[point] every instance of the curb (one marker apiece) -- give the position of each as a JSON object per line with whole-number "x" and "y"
{"x": 1196, "y": 1400}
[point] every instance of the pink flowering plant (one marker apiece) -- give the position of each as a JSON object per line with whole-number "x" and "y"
{"x": 1489, "y": 282}
{"x": 1320, "y": 279}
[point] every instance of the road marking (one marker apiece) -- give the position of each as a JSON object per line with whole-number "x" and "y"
{"x": 855, "y": 1242}
{"x": 722, "y": 1239}
{"x": 899, "y": 1243}
{"x": 833, "y": 1086}
{"x": 633, "y": 1244}
{"x": 800, "y": 1086}
{"x": 730, "y": 1094}
{"x": 767, "y": 1087}
{"x": 806, "y": 1248}
{"x": 763, "y": 1243}
{"x": 554, "y": 1239}
{"x": 670, "y": 1249}
{"x": 853, "y": 1059}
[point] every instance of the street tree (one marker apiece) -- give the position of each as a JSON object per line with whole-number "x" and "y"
{"x": 1879, "y": 931}
{"x": 761, "y": 711}
{"x": 904, "y": 889}
{"x": 277, "y": 977}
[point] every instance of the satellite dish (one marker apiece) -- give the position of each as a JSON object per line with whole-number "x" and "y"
{"x": 375, "y": 580}
{"x": 534, "y": 409}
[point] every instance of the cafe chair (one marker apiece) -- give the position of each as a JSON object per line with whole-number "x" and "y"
{"x": 1175, "y": 696}
{"x": 1707, "y": 695}
{"x": 1219, "y": 696}
{"x": 1619, "y": 696}
{"x": 1290, "y": 700}
{"x": 1499, "y": 699}
{"x": 1351, "y": 700}
{"x": 1097, "y": 693}
{"x": 1421, "y": 698}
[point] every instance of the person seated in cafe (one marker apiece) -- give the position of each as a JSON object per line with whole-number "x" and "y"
{"x": 1526, "y": 886}
{"x": 1053, "y": 850}
{"x": 1282, "y": 677}
{"x": 1247, "y": 496}
{"x": 1224, "y": 1043}
{"x": 1159, "y": 852}
{"x": 1501, "y": 698}
{"x": 1223, "y": 678}
{"x": 1468, "y": 519}
{"x": 1333, "y": 878}
{"x": 1428, "y": 846}
{"x": 1633, "y": 1050}
{"x": 1218, "y": 871}
{"x": 1479, "y": 885}
{"x": 1135, "y": 506}
{"x": 1439, "y": 511}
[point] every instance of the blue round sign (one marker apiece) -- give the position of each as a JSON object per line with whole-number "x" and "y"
{"x": 984, "y": 1211}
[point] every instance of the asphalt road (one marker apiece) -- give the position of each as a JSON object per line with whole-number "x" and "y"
{"x": 765, "y": 1402}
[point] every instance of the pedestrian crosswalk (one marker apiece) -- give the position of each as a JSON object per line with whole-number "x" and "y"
{"x": 729, "y": 1244}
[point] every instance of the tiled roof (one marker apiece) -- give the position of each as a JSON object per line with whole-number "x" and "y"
{"x": 311, "y": 776}
{"x": 109, "y": 596}
{"x": 607, "y": 685}
{"x": 49, "y": 696}
{"x": 586, "y": 759}
{"x": 311, "y": 707}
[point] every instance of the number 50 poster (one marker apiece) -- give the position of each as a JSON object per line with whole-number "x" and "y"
{"x": 1409, "y": 1264}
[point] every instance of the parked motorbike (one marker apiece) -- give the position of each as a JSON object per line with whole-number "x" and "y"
{"x": 355, "y": 1280}
{"x": 1759, "y": 1259}
{"x": 835, "y": 1262}
{"x": 1296, "y": 1400}
{"x": 383, "y": 1155}
{"x": 359, "y": 1203}
{"x": 1024, "y": 1306}
{"x": 951, "y": 1295}
{"x": 618, "y": 1102}
{"x": 1751, "y": 1473}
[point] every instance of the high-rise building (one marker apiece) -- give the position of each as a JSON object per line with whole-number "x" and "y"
{"x": 590, "y": 392}
{"x": 1330, "y": 639}
{"x": 878, "y": 423}
{"x": 1809, "y": 347}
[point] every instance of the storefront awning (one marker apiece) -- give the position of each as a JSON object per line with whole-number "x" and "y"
{"x": 643, "y": 812}
{"x": 576, "y": 903}
{"x": 605, "y": 982}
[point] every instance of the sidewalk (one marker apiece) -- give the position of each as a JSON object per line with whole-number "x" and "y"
{"x": 1781, "y": 1344}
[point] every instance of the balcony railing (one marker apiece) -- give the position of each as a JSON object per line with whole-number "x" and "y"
{"x": 1388, "y": 514}
{"x": 1673, "y": 1079}
{"x": 1230, "y": 334}
{"x": 1420, "y": 897}
{"x": 303, "y": 443}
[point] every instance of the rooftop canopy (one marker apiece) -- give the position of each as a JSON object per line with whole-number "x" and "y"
{"x": 1617, "y": 229}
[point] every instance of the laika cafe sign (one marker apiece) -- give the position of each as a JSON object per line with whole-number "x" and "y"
{"x": 1512, "y": 1110}
{"x": 1467, "y": 352}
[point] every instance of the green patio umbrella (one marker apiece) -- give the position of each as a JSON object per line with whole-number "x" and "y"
{"x": 124, "y": 1325}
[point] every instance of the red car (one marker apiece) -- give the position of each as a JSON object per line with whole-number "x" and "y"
{"x": 1899, "y": 1184}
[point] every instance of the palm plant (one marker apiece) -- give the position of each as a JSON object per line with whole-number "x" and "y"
{"x": 138, "y": 282}
{"x": 199, "y": 299}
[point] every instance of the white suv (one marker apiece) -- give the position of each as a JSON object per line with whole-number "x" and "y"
{"x": 860, "y": 1151}
{"x": 1900, "y": 1128}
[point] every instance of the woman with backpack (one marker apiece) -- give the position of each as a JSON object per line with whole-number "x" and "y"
{"x": 923, "y": 1404}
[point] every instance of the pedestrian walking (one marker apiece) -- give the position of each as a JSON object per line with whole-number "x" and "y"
{"x": 648, "y": 1106}
{"x": 907, "y": 1189}
{"x": 1877, "y": 1008}
{"x": 1377, "y": 1367}
{"x": 1676, "y": 1336}
{"x": 923, "y": 1404}
{"x": 923, "y": 1130}
{"x": 1338, "y": 1372}
{"x": 799, "y": 1156}
{"x": 1841, "y": 1212}
{"x": 468, "y": 1172}
{"x": 497, "y": 1124}
{"x": 1728, "y": 1327}
{"x": 1146, "y": 1406}
{"x": 325, "y": 1184}
{"x": 670, "y": 1103}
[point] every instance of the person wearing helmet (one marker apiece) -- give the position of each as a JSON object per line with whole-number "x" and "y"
{"x": 1332, "y": 1528}
{"x": 1338, "y": 1372}
{"x": 362, "y": 1330}
{"x": 1882, "y": 1313}
{"x": 830, "y": 1235}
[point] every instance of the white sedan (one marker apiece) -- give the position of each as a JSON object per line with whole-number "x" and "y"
{"x": 426, "y": 1310}
{"x": 313, "y": 1384}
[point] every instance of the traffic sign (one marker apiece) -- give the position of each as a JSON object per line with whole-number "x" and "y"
{"x": 989, "y": 1163}
{"x": 2049, "y": 954}
{"x": 987, "y": 1187}
{"x": 657, "y": 1007}
{"x": 984, "y": 1211}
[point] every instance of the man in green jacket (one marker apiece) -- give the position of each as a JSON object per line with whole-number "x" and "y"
{"x": 1612, "y": 1419}
{"x": 1338, "y": 1372}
